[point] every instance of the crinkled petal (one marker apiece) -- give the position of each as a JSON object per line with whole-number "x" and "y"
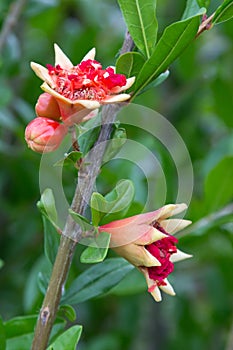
{"x": 179, "y": 255}
{"x": 90, "y": 55}
{"x": 116, "y": 98}
{"x": 174, "y": 225}
{"x": 167, "y": 288}
{"x": 42, "y": 73}
{"x": 61, "y": 59}
{"x": 129, "y": 82}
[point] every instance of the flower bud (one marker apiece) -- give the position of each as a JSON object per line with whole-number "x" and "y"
{"x": 47, "y": 106}
{"x": 44, "y": 135}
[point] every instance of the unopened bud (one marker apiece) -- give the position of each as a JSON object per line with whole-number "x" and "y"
{"x": 47, "y": 107}
{"x": 44, "y": 135}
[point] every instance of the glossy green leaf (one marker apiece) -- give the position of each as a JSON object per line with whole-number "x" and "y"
{"x": 191, "y": 9}
{"x": 115, "y": 202}
{"x": 97, "y": 250}
{"x": 2, "y": 335}
{"x": 223, "y": 12}
{"x": 174, "y": 40}
{"x": 47, "y": 207}
{"x": 67, "y": 312}
{"x": 68, "y": 340}
{"x": 218, "y": 186}
{"x": 51, "y": 240}
{"x": 1, "y": 263}
{"x": 130, "y": 64}
{"x": 97, "y": 280}
{"x": 141, "y": 21}
{"x": 21, "y": 342}
{"x": 161, "y": 78}
{"x": 82, "y": 221}
{"x": 133, "y": 283}
{"x": 20, "y": 325}
{"x": 88, "y": 138}
{"x": 69, "y": 159}
{"x": 115, "y": 144}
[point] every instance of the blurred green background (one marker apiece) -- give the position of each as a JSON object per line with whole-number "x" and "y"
{"x": 197, "y": 99}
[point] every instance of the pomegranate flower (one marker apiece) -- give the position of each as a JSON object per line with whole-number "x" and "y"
{"x": 81, "y": 88}
{"x": 147, "y": 241}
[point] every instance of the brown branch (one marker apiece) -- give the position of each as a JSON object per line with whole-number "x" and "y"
{"x": 11, "y": 20}
{"x": 205, "y": 25}
{"x": 88, "y": 172}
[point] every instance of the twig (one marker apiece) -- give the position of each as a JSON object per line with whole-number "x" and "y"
{"x": 88, "y": 172}
{"x": 10, "y": 21}
{"x": 205, "y": 25}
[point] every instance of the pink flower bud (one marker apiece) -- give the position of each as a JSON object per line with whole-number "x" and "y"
{"x": 44, "y": 135}
{"x": 47, "y": 106}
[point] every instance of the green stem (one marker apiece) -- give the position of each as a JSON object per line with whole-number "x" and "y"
{"x": 88, "y": 172}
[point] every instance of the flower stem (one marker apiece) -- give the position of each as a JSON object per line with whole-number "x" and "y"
{"x": 71, "y": 235}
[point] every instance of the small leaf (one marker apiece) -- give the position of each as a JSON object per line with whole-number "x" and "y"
{"x": 113, "y": 204}
{"x": 115, "y": 144}
{"x": 20, "y": 325}
{"x": 218, "y": 187}
{"x": 68, "y": 312}
{"x": 1, "y": 263}
{"x": 174, "y": 40}
{"x": 223, "y": 12}
{"x": 97, "y": 250}
{"x": 2, "y": 335}
{"x": 82, "y": 221}
{"x": 191, "y": 9}
{"x": 130, "y": 64}
{"x": 87, "y": 139}
{"x": 67, "y": 340}
{"x": 51, "y": 240}
{"x": 97, "y": 280}
{"x": 69, "y": 159}
{"x": 141, "y": 22}
{"x": 48, "y": 208}
{"x": 161, "y": 78}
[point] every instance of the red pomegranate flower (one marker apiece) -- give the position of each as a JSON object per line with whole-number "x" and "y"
{"x": 81, "y": 88}
{"x": 146, "y": 241}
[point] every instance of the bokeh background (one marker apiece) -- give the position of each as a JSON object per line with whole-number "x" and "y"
{"x": 197, "y": 99}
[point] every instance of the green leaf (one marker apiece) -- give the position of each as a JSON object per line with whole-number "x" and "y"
{"x": 218, "y": 186}
{"x": 223, "y": 12}
{"x": 98, "y": 250}
{"x": 20, "y": 325}
{"x": 141, "y": 21}
{"x": 161, "y": 78}
{"x": 82, "y": 221}
{"x": 51, "y": 240}
{"x": 68, "y": 340}
{"x": 174, "y": 40}
{"x": 88, "y": 138}
{"x": 48, "y": 208}
{"x": 69, "y": 159}
{"x": 114, "y": 203}
{"x": 130, "y": 64}
{"x": 97, "y": 280}
{"x": 1, "y": 263}
{"x": 22, "y": 342}
{"x": 2, "y": 335}
{"x": 133, "y": 283}
{"x": 68, "y": 312}
{"x": 191, "y": 9}
{"x": 115, "y": 144}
